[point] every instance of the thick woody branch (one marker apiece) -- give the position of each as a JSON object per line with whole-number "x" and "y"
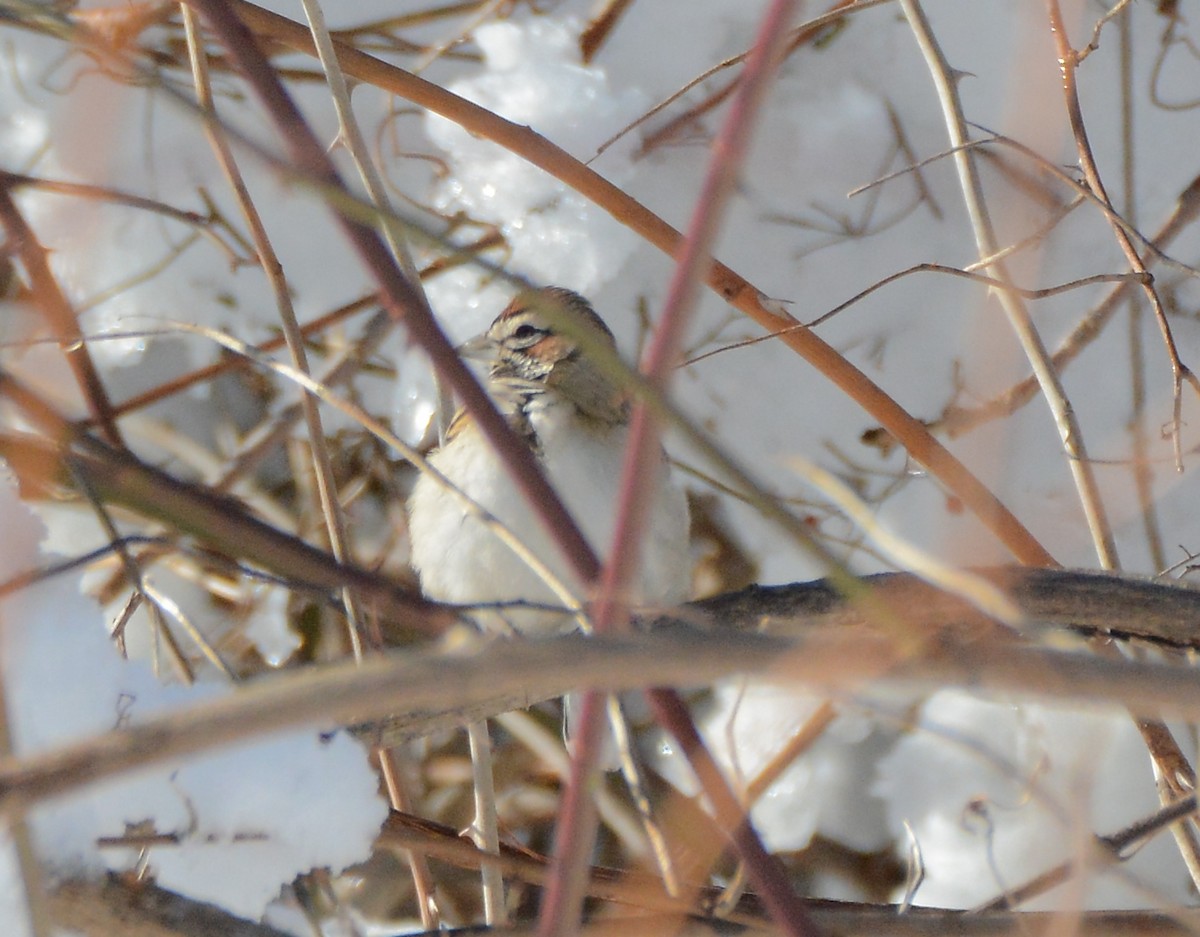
{"x": 113, "y": 906}
{"x": 408, "y": 693}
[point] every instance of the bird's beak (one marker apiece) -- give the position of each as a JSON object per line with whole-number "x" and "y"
{"x": 479, "y": 348}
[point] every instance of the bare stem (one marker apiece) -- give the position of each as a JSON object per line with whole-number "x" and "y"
{"x": 331, "y": 508}
{"x": 399, "y": 297}
{"x": 56, "y": 308}
{"x": 986, "y": 243}
{"x": 724, "y": 281}
{"x": 563, "y": 904}
{"x": 1068, "y": 62}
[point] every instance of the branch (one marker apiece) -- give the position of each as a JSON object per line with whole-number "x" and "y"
{"x": 813, "y": 640}
{"x": 114, "y": 906}
{"x": 721, "y": 279}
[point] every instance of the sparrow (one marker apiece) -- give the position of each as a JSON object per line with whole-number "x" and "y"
{"x": 575, "y": 418}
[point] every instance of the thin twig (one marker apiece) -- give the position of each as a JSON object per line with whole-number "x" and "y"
{"x": 802, "y": 35}
{"x": 975, "y": 590}
{"x": 209, "y": 372}
{"x": 331, "y": 508}
{"x": 731, "y": 287}
{"x": 54, "y": 305}
{"x": 1110, "y": 849}
{"x": 351, "y": 135}
{"x": 633, "y": 776}
{"x": 574, "y": 835}
{"x": 398, "y": 296}
{"x": 1141, "y": 468}
{"x": 1068, "y": 427}
{"x": 423, "y": 882}
{"x": 29, "y": 869}
{"x": 203, "y": 224}
{"x": 1043, "y": 293}
{"x": 1174, "y": 774}
{"x": 1068, "y": 61}
{"x": 485, "y": 830}
{"x": 958, "y": 420}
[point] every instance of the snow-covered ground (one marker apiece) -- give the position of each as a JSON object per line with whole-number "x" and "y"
{"x": 992, "y": 791}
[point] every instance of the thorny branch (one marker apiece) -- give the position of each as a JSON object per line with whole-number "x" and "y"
{"x": 1068, "y": 62}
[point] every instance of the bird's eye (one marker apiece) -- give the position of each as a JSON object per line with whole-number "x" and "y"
{"x": 524, "y": 332}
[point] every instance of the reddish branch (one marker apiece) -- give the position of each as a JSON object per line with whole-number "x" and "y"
{"x": 57, "y": 310}
{"x": 404, "y": 303}
{"x": 729, "y": 285}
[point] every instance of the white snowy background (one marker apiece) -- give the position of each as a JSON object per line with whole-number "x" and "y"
{"x": 993, "y": 791}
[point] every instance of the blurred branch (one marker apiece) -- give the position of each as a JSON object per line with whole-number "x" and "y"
{"x": 118, "y": 477}
{"x": 802, "y": 635}
{"x": 57, "y": 310}
{"x": 575, "y": 834}
{"x": 143, "y": 909}
{"x": 115, "y": 905}
{"x": 721, "y": 279}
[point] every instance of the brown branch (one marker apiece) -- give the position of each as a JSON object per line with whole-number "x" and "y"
{"x": 117, "y": 477}
{"x": 202, "y": 223}
{"x": 729, "y": 285}
{"x": 207, "y": 373}
{"x": 114, "y": 906}
{"x": 55, "y": 306}
{"x": 404, "y": 832}
{"x": 413, "y": 693}
{"x": 1068, "y": 62}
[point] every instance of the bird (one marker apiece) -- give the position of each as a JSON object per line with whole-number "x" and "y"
{"x": 575, "y": 418}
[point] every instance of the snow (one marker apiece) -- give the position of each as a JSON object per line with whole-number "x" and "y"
{"x": 992, "y": 790}
{"x": 249, "y": 818}
{"x": 997, "y": 793}
{"x": 554, "y": 235}
{"x": 745, "y": 725}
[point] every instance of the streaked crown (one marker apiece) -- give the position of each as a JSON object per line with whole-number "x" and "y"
{"x": 540, "y": 329}
{"x": 542, "y": 337}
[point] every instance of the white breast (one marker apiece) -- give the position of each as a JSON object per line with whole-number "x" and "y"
{"x": 461, "y": 561}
